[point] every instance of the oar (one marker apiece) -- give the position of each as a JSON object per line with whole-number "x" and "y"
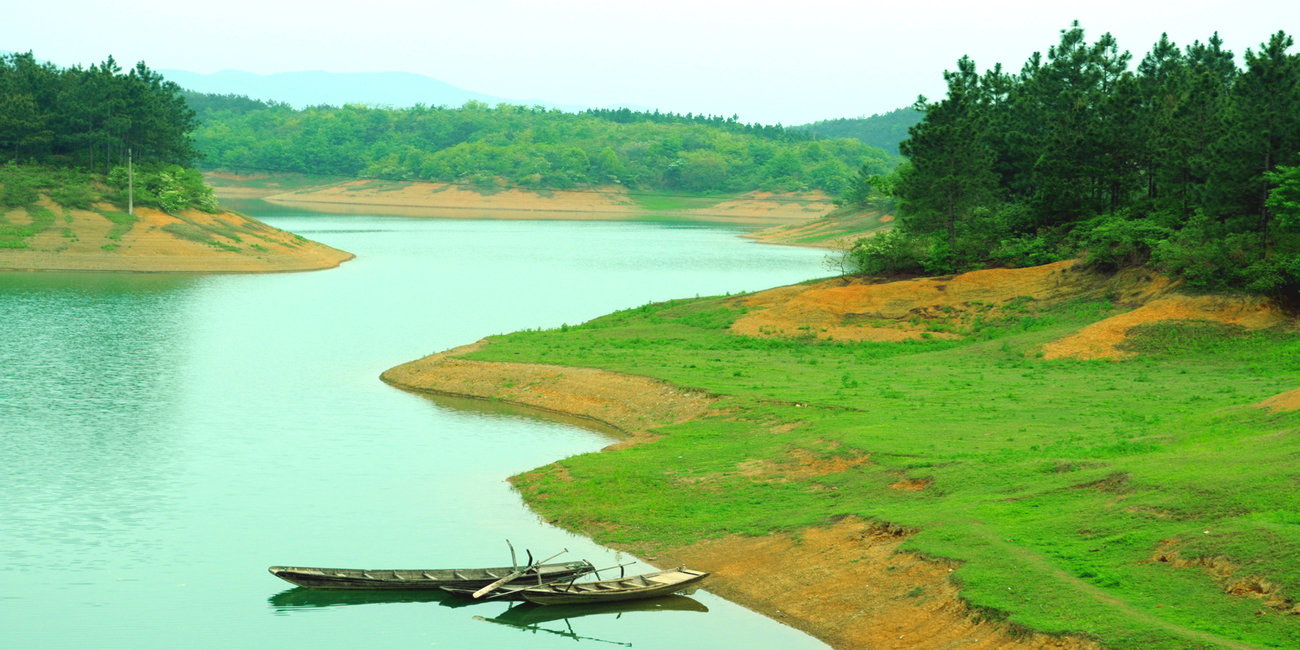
{"x": 516, "y": 574}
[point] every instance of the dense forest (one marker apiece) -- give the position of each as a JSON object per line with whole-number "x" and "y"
{"x": 528, "y": 147}
{"x": 89, "y": 121}
{"x": 883, "y": 130}
{"x": 90, "y": 117}
{"x": 1187, "y": 162}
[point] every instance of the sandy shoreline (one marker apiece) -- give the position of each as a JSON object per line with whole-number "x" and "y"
{"x": 611, "y": 203}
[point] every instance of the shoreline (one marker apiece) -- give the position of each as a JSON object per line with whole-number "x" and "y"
{"x": 857, "y": 582}
{"x": 756, "y": 209}
{"x": 153, "y": 241}
{"x": 844, "y": 595}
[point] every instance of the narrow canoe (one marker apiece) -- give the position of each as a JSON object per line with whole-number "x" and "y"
{"x": 322, "y": 578}
{"x": 645, "y": 585}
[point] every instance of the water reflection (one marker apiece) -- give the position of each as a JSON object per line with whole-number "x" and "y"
{"x": 489, "y": 410}
{"x": 301, "y": 598}
{"x": 526, "y": 614}
{"x": 558, "y": 619}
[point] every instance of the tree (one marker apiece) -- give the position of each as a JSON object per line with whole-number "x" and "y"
{"x": 951, "y": 168}
{"x": 1264, "y": 132}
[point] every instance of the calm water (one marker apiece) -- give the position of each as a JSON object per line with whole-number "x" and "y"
{"x": 166, "y": 438}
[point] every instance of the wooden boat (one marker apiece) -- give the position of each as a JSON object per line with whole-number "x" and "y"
{"x": 321, "y": 578}
{"x": 503, "y": 592}
{"x": 645, "y": 585}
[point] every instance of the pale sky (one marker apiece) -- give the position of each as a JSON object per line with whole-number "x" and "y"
{"x": 788, "y": 62}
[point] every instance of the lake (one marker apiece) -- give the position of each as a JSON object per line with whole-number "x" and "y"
{"x": 167, "y": 437}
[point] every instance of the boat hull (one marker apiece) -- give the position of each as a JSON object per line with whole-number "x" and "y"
{"x": 649, "y": 585}
{"x": 326, "y": 578}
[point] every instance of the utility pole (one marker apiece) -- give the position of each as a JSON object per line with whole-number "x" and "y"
{"x": 130, "y": 184}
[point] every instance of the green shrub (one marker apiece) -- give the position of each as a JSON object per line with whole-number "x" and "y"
{"x": 17, "y": 190}
{"x": 171, "y": 188}
{"x": 887, "y": 253}
{"x": 1117, "y": 241}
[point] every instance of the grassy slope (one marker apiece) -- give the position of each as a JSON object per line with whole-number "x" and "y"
{"x": 1058, "y": 483}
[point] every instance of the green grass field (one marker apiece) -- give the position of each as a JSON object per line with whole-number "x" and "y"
{"x": 1058, "y": 484}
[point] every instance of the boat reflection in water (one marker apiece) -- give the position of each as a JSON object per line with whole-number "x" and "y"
{"x": 531, "y": 617}
{"x": 300, "y": 598}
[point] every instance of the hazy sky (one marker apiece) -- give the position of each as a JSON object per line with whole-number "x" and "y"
{"x": 789, "y": 62}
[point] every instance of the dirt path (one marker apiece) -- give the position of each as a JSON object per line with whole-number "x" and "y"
{"x": 1082, "y": 587}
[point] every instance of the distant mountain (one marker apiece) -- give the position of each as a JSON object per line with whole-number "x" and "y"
{"x": 314, "y": 88}
{"x": 884, "y": 130}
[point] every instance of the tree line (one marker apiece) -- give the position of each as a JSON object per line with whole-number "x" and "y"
{"x": 1185, "y": 162}
{"x": 91, "y": 117}
{"x": 492, "y": 147}
{"x": 884, "y": 130}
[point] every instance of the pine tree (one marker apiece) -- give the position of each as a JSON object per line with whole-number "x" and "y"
{"x": 952, "y": 166}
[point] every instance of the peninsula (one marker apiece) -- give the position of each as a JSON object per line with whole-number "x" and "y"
{"x": 1042, "y": 457}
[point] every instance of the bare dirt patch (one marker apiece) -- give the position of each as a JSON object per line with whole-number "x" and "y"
{"x": 853, "y": 309}
{"x": 863, "y": 310}
{"x": 1283, "y": 402}
{"x": 800, "y": 465}
{"x": 911, "y": 484}
{"x": 853, "y": 589}
{"x": 1101, "y": 340}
